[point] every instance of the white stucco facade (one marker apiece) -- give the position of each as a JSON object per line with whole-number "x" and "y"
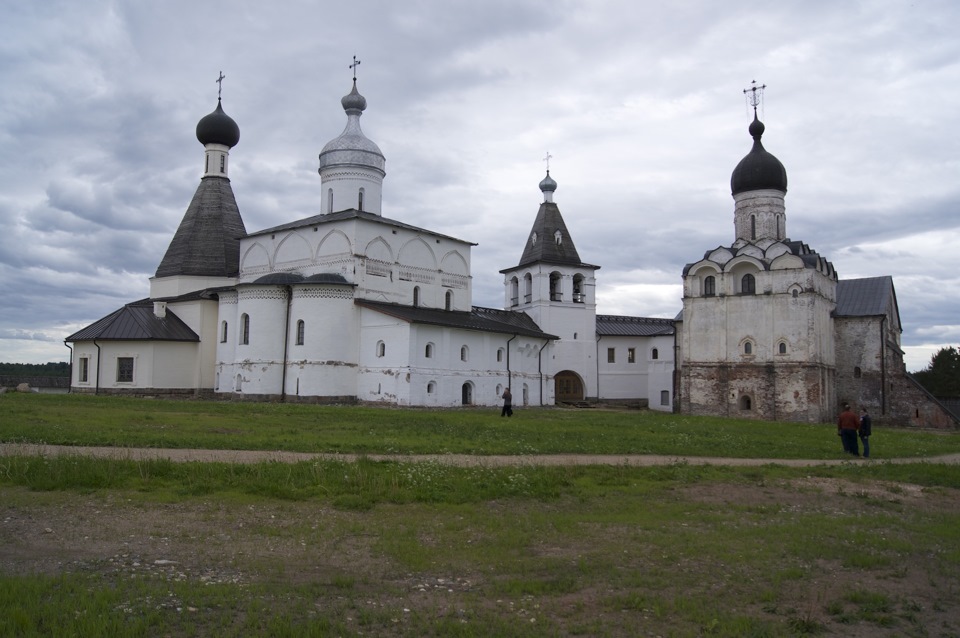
{"x": 352, "y": 306}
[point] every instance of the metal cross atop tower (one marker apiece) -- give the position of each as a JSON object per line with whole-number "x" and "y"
{"x": 547, "y": 160}
{"x": 754, "y": 94}
{"x": 220, "y": 84}
{"x": 354, "y": 66}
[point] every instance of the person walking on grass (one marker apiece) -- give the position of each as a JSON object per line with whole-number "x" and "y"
{"x": 865, "y": 427}
{"x": 507, "y": 403}
{"x": 847, "y": 426}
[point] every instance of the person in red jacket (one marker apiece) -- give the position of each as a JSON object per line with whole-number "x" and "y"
{"x": 847, "y": 426}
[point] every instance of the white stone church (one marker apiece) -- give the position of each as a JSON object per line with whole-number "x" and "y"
{"x": 349, "y": 306}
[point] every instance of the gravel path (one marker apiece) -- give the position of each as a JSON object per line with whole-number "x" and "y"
{"x": 258, "y": 456}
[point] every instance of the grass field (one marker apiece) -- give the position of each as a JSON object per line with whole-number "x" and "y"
{"x": 92, "y": 547}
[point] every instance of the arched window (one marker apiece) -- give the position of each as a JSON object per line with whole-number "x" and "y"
{"x": 857, "y": 372}
{"x": 558, "y": 237}
{"x": 795, "y": 293}
{"x": 654, "y": 354}
{"x": 223, "y": 163}
{"x": 514, "y": 292}
{"x": 499, "y": 355}
{"x": 329, "y": 200}
{"x": 753, "y": 226}
{"x": 782, "y": 348}
{"x": 464, "y": 353}
{"x": 223, "y": 331}
{"x": 533, "y": 239}
{"x": 244, "y": 329}
{"x": 746, "y": 403}
{"x": 555, "y": 294}
{"x": 360, "y": 200}
{"x": 748, "y": 285}
{"x": 710, "y": 286}
{"x": 300, "y": 331}
{"x": 428, "y": 351}
{"x": 747, "y": 347}
{"x": 381, "y": 349}
{"x": 416, "y": 296}
{"x": 527, "y": 288}
{"x": 431, "y": 387}
{"x": 578, "y": 296}
{"x": 448, "y": 301}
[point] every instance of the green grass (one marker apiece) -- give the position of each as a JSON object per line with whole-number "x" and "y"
{"x": 331, "y": 548}
{"x": 118, "y": 421}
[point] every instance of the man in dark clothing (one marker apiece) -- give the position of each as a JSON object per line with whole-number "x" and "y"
{"x": 847, "y": 426}
{"x": 507, "y": 403}
{"x": 865, "y": 431}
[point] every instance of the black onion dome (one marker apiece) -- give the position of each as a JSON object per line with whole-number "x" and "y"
{"x": 759, "y": 169}
{"x": 548, "y": 184}
{"x": 218, "y": 128}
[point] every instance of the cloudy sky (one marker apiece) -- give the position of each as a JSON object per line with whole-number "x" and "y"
{"x": 640, "y": 105}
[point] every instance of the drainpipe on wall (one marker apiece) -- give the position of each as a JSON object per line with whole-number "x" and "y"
{"x": 509, "y": 376}
{"x": 674, "y": 378}
{"x": 96, "y": 389}
{"x": 540, "y": 368}
{"x": 286, "y": 346}
{"x": 70, "y": 385}
{"x": 883, "y": 367}
{"x": 599, "y": 337}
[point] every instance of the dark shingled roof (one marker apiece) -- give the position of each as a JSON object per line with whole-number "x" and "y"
{"x": 620, "y": 326}
{"x": 546, "y": 249}
{"x": 349, "y": 214}
{"x": 136, "y": 322}
{"x": 481, "y": 319}
{"x": 291, "y": 278}
{"x": 869, "y": 297}
{"x": 207, "y": 243}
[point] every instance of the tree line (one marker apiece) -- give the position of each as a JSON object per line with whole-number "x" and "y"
{"x": 49, "y": 369}
{"x": 942, "y": 377}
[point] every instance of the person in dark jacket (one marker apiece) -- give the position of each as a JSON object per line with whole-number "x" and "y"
{"x": 865, "y": 431}
{"x": 507, "y": 403}
{"x": 847, "y": 426}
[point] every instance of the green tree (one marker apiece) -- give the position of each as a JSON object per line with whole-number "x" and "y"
{"x": 942, "y": 377}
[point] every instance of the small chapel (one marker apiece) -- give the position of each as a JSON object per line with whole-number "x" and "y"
{"x": 350, "y": 306}
{"x": 768, "y": 330}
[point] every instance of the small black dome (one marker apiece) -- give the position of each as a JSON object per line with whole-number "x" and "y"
{"x": 759, "y": 169}
{"x": 353, "y": 101}
{"x": 548, "y": 184}
{"x": 218, "y": 128}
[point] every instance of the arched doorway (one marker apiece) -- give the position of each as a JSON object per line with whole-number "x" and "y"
{"x": 466, "y": 394}
{"x": 568, "y": 386}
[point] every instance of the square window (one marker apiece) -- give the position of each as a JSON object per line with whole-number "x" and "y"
{"x": 631, "y": 355}
{"x": 124, "y": 369}
{"x": 83, "y": 375}
{"x": 611, "y": 355}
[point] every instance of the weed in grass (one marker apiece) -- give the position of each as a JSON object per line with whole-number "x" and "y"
{"x": 806, "y": 626}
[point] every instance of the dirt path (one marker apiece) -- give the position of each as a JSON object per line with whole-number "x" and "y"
{"x": 463, "y": 460}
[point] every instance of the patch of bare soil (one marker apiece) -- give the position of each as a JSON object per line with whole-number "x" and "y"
{"x": 915, "y": 598}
